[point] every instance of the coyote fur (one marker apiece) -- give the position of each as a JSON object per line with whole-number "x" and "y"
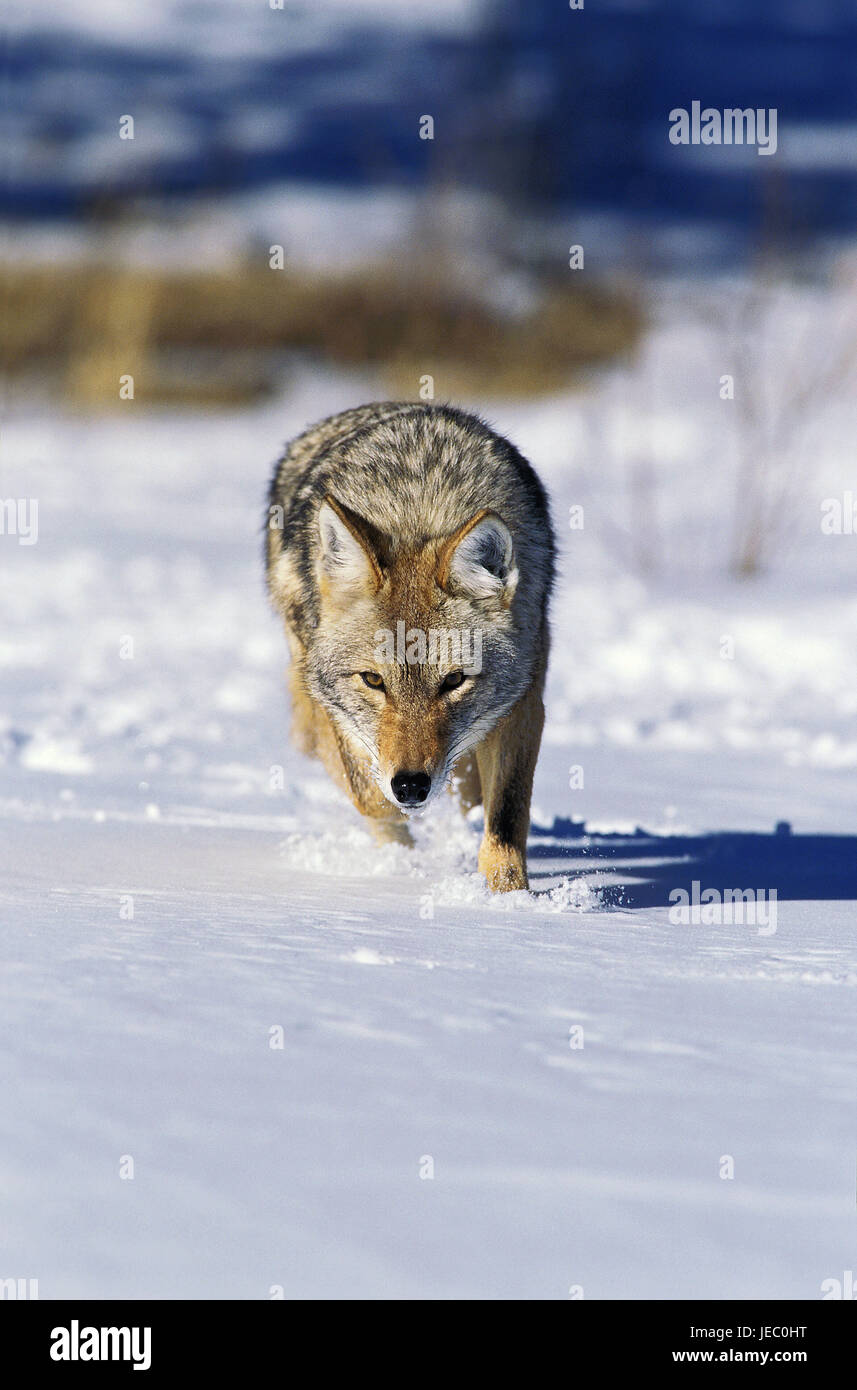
{"x": 411, "y": 556}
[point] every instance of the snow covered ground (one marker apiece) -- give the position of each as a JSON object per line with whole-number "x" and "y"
{"x": 177, "y": 885}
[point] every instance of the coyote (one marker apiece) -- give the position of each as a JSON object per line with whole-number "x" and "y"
{"x": 411, "y": 556}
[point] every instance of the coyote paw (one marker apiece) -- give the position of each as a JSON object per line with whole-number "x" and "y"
{"x": 504, "y": 868}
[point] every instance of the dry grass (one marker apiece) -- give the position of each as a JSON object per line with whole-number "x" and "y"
{"x": 214, "y": 337}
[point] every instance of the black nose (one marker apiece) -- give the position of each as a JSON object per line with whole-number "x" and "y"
{"x": 411, "y": 788}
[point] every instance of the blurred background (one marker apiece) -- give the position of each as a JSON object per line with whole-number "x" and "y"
{"x": 262, "y": 124}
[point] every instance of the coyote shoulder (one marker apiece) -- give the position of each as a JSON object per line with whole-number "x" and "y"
{"x": 411, "y": 556}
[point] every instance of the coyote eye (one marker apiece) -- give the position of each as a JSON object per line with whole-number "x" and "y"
{"x": 452, "y": 681}
{"x": 372, "y": 679}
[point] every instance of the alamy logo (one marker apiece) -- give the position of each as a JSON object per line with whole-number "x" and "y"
{"x": 19, "y": 516}
{"x": 844, "y": 1288}
{"x": 709, "y": 907}
{"x": 438, "y": 646}
{"x": 839, "y": 515}
{"x": 76, "y": 1343}
{"x": 731, "y": 126}
{"x": 19, "y": 1289}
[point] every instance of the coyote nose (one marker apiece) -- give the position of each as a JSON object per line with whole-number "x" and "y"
{"x": 411, "y": 788}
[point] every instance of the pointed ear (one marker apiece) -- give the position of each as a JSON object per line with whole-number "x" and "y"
{"x": 346, "y": 555}
{"x": 479, "y": 560}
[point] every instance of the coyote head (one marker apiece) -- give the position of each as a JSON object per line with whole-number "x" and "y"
{"x": 414, "y": 655}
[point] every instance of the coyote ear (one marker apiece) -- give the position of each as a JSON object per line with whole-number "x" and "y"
{"x": 345, "y": 551}
{"x": 479, "y": 559}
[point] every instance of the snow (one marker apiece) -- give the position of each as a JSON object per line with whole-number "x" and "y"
{"x": 177, "y": 882}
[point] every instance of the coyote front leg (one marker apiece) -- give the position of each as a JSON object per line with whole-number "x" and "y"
{"x": 507, "y": 762}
